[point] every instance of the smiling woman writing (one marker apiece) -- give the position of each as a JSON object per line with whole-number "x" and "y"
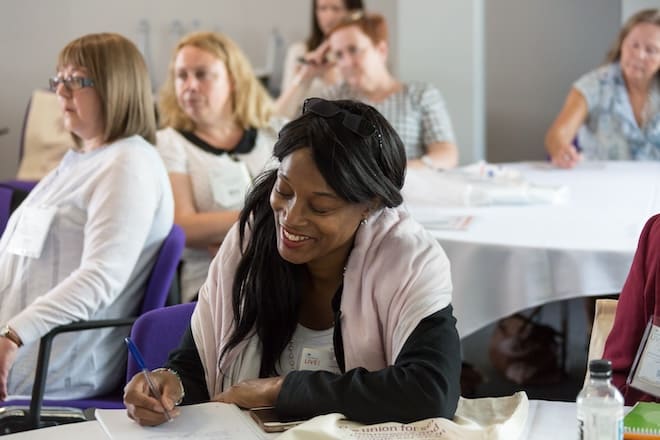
{"x": 323, "y": 263}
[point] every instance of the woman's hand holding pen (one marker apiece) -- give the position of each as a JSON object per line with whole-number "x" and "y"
{"x": 144, "y": 408}
{"x": 313, "y": 64}
{"x": 252, "y": 393}
{"x": 566, "y": 156}
{"x": 8, "y": 351}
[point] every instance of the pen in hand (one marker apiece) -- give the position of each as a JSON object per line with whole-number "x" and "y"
{"x": 147, "y": 375}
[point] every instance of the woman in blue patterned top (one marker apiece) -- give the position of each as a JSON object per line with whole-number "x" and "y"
{"x": 614, "y": 111}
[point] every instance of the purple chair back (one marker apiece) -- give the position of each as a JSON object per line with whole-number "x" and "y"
{"x": 5, "y": 207}
{"x": 23, "y": 185}
{"x": 6, "y": 194}
{"x": 158, "y": 332}
{"x": 165, "y": 267}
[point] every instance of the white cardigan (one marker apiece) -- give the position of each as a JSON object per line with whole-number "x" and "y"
{"x": 113, "y": 207}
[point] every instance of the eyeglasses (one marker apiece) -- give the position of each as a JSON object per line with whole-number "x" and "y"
{"x": 70, "y": 82}
{"x": 355, "y": 123}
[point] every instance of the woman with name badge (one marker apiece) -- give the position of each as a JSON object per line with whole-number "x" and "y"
{"x": 326, "y": 296}
{"x": 83, "y": 242}
{"x": 218, "y": 135}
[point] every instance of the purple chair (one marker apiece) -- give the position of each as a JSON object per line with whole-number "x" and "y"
{"x": 155, "y": 296}
{"x": 158, "y": 332}
{"x": 5, "y": 207}
{"x": 23, "y": 185}
{"x": 8, "y": 200}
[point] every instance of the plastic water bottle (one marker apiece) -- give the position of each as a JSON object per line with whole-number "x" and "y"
{"x": 600, "y": 405}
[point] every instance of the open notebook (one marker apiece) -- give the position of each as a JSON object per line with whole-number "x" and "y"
{"x": 212, "y": 420}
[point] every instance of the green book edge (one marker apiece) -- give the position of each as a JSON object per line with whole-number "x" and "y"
{"x": 643, "y": 418}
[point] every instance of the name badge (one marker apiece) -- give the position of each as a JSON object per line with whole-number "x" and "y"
{"x": 229, "y": 183}
{"x": 645, "y": 370}
{"x": 318, "y": 359}
{"x": 31, "y": 230}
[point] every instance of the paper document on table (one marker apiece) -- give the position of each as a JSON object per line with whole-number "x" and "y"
{"x": 212, "y": 420}
{"x": 478, "y": 185}
{"x": 448, "y": 223}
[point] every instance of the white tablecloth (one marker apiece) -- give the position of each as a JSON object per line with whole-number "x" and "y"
{"x": 517, "y": 256}
{"x": 551, "y": 421}
{"x": 546, "y": 421}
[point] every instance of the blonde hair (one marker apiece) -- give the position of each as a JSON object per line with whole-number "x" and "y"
{"x": 252, "y": 106}
{"x": 121, "y": 80}
{"x": 651, "y": 16}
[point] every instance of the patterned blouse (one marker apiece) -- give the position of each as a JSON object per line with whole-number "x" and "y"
{"x": 611, "y": 131}
{"x": 417, "y": 112}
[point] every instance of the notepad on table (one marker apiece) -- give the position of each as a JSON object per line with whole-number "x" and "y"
{"x": 212, "y": 420}
{"x": 642, "y": 422}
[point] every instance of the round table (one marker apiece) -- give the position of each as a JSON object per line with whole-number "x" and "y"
{"x": 512, "y": 257}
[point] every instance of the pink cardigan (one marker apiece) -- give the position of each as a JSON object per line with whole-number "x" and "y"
{"x": 637, "y": 303}
{"x": 396, "y": 275}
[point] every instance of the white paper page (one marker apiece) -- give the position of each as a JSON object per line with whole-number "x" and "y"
{"x": 212, "y": 420}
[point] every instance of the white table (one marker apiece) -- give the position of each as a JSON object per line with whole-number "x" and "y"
{"x": 545, "y": 421}
{"x": 519, "y": 256}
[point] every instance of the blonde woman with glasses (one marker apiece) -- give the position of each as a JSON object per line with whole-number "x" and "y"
{"x": 83, "y": 242}
{"x": 218, "y": 134}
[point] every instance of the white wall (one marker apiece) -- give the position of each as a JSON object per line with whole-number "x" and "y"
{"x": 33, "y": 31}
{"x": 629, "y": 7}
{"x": 535, "y": 50}
{"x": 504, "y": 66}
{"x": 441, "y": 42}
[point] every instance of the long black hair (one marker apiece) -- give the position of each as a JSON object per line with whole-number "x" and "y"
{"x": 267, "y": 289}
{"x": 316, "y": 37}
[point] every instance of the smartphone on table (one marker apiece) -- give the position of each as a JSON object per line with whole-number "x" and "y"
{"x": 270, "y": 421}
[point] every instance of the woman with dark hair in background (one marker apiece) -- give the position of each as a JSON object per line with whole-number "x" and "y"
{"x": 323, "y": 260}
{"x": 306, "y": 71}
{"x": 358, "y": 47}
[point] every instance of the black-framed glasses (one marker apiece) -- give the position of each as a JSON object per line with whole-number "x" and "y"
{"x": 70, "y": 82}
{"x": 355, "y": 123}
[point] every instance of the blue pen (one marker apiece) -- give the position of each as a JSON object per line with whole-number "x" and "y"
{"x": 147, "y": 374}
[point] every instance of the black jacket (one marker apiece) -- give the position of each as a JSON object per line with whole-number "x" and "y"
{"x": 422, "y": 383}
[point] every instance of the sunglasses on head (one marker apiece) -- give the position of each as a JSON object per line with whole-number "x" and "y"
{"x": 355, "y": 123}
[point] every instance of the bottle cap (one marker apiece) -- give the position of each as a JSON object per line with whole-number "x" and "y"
{"x": 600, "y": 368}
